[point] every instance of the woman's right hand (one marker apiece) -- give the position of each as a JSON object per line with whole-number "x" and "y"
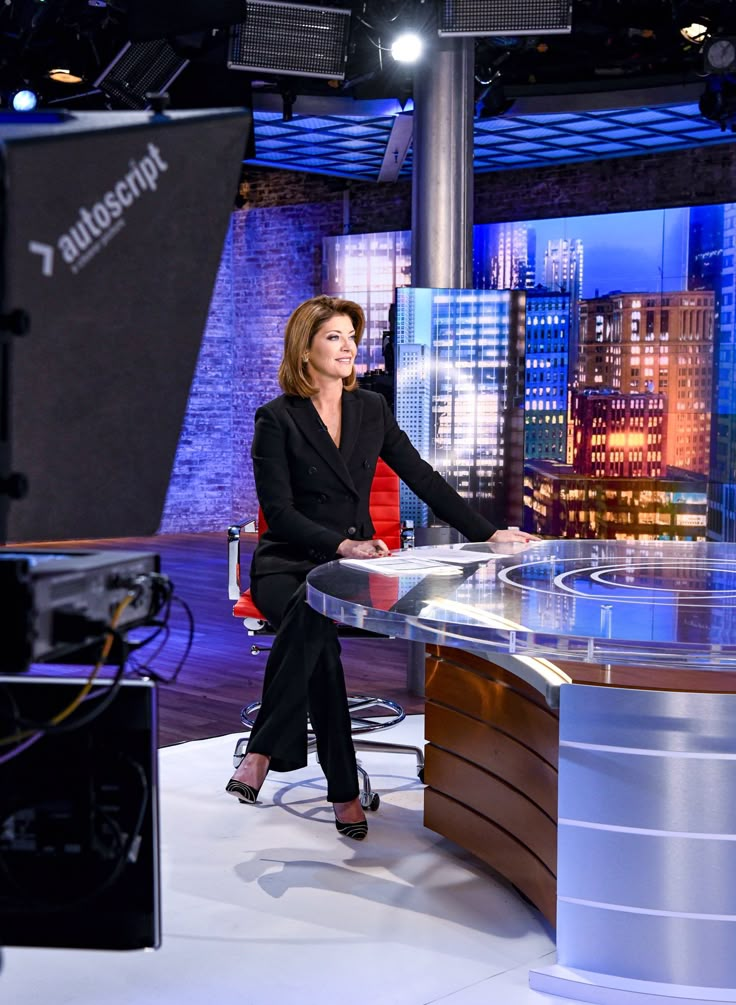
{"x": 362, "y": 549}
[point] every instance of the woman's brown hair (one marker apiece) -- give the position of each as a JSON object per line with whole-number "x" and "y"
{"x": 301, "y": 328}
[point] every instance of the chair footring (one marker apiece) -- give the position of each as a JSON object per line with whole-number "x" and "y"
{"x": 362, "y": 725}
{"x": 387, "y": 713}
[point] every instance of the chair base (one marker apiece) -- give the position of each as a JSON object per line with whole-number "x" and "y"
{"x": 362, "y": 724}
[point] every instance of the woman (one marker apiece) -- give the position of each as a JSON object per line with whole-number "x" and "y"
{"x": 314, "y": 451}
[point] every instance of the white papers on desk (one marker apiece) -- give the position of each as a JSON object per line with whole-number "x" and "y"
{"x": 400, "y": 566}
{"x": 461, "y": 556}
{"x": 441, "y": 562}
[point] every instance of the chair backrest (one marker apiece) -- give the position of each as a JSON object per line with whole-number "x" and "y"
{"x": 384, "y": 509}
{"x": 384, "y": 506}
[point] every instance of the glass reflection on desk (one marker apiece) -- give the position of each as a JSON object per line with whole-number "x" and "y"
{"x": 639, "y": 602}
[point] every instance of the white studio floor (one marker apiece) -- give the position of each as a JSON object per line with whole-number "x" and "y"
{"x": 268, "y": 905}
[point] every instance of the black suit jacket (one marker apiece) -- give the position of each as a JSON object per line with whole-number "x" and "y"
{"x": 314, "y": 495}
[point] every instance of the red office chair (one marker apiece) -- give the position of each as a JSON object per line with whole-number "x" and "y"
{"x": 384, "y": 510}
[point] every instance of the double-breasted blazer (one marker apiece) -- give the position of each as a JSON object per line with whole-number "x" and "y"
{"x": 314, "y": 495}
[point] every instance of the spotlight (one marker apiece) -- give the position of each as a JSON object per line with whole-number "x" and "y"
{"x": 407, "y": 48}
{"x": 694, "y": 18}
{"x": 63, "y": 75}
{"x": 695, "y": 31}
{"x": 24, "y": 100}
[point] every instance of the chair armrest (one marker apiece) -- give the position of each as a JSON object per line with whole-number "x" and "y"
{"x": 233, "y": 555}
{"x": 233, "y": 561}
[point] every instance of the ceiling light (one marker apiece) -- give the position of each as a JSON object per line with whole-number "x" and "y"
{"x": 695, "y": 32}
{"x": 24, "y": 100}
{"x": 64, "y": 76}
{"x": 407, "y": 48}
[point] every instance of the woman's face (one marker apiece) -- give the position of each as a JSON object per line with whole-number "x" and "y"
{"x": 333, "y": 349}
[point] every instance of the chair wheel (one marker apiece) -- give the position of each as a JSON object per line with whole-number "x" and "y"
{"x": 375, "y": 802}
{"x": 420, "y": 774}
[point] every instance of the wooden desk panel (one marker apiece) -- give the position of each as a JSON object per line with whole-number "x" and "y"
{"x": 494, "y": 751}
{"x": 491, "y": 770}
{"x": 496, "y": 847}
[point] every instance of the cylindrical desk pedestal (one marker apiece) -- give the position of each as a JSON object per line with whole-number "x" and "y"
{"x": 646, "y": 863}
{"x": 615, "y": 816}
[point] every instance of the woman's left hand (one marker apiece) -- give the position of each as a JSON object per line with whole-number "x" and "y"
{"x": 512, "y": 535}
{"x": 363, "y": 549}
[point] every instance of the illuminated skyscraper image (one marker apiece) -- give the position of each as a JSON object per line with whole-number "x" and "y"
{"x": 563, "y": 266}
{"x": 645, "y": 311}
{"x": 656, "y": 342}
{"x": 545, "y": 392}
{"x": 504, "y": 256}
{"x": 367, "y": 268}
{"x": 618, "y": 434}
{"x": 617, "y": 485}
{"x": 563, "y": 271}
{"x": 705, "y": 249}
{"x": 459, "y": 393}
{"x": 711, "y": 267}
{"x": 559, "y": 502}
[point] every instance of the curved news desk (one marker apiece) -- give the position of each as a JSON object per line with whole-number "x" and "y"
{"x": 581, "y": 727}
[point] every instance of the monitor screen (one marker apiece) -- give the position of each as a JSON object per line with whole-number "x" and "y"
{"x": 79, "y": 861}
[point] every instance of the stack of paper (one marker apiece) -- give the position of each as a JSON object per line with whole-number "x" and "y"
{"x": 438, "y": 562}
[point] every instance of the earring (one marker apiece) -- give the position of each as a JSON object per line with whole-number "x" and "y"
{"x": 305, "y": 357}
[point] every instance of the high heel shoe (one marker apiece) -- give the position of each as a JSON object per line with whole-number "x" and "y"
{"x": 356, "y": 831}
{"x": 242, "y": 791}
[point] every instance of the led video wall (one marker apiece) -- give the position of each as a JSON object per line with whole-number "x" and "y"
{"x": 585, "y": 386}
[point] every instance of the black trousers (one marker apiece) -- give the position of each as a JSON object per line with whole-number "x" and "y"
{"x": 304, "y": 677}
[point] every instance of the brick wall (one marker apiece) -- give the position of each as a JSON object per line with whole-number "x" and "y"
{"x": 272, "y": 261}
{"x": 200, "y": 484}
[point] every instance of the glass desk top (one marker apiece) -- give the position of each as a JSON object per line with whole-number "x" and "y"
{"x": 649, "y": 603}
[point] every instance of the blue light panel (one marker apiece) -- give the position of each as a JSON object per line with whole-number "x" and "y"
{"x": 353, "y": 147}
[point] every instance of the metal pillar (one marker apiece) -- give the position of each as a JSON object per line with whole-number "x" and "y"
{"x": 442, "y": 192}
{"x": 442, "y": 189}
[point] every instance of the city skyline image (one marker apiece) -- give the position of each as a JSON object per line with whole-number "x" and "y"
{"x": 633, "y": 311}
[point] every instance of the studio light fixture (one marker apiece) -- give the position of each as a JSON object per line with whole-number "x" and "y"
{"x": 64, "y": 75}
{"x": 407, "y": 47}
{"x": 286, "y": 38}
{"x": 694, "y": 18}
{"x": 719, "y": 55}
{"x": 23, "y": 100}
{"x": 139, "y": 70}
{"x": 695, "y": 31}
{"x": 505, "y": 17}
